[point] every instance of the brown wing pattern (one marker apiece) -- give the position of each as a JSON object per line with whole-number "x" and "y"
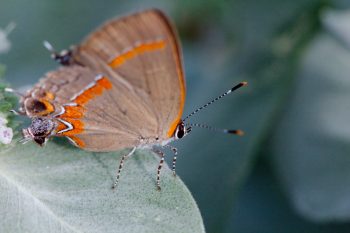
{"x": 126, "y": 89}
{"x": 103, "y": 116}
{"x": 141, "y": 52}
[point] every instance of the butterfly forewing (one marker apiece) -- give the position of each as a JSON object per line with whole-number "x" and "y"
{"x": 140, "y": 53}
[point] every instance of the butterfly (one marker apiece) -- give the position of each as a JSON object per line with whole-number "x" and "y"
{"x": 122, "y": 87}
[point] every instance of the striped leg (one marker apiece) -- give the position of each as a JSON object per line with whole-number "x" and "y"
{"x": 161, "y": 162}
{"x": 174, "y": 158}
{"x": 121, "y": 164}
{"x": 17, "y": 112}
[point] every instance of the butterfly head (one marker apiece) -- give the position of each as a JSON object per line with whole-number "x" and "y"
{"x": 181, "y": 130}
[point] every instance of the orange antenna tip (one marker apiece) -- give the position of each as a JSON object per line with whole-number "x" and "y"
{"x": 236, "y": 132}
{"x": 240, "y": 133}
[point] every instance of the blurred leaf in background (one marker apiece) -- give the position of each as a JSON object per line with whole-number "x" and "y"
{"x": 311, "y": 147}
{"x": 5, "y": 44}
{"x": 290, "y": 170}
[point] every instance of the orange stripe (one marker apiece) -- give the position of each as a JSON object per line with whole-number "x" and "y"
{"x": 78, "y": 141}
{"x": 89, "y": 94}
{"x": 49, "y": 96}
{"x": 78, "y": 127}
{"x": 104, "y": 82}
{"x": 73, "y": 112}
{"x": 60, "y": 127}
{"x": 49, "y": 108}
{"x": 140, "y": 49}
{"x": 181, "y": 77}
{"x": 94, "y": 91}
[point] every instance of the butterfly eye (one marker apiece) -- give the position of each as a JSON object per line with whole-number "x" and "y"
{"x": 180, "y": 131}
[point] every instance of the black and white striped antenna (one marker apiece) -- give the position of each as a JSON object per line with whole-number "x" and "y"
{"x": 228, "y": 131}
{"x": 189, "y": 126}
{"x": 241, "y": 84}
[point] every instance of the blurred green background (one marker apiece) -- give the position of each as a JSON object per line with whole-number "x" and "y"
{"x": 291, "y": 171}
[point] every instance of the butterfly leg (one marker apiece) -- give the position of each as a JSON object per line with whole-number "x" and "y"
{"x": 17, "y": 112}
{"x": 161, "y": 162}
{"x": 174, "y": 150}
{"x": 121, "y": 164}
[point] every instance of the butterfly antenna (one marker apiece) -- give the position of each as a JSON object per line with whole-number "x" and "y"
{"x": 49, "y": 47}
{"x": 228, "y": 131}
{"x": 23, "y": 140}
{"x": 241, "y": 84}
{"x": 54, "y": 53}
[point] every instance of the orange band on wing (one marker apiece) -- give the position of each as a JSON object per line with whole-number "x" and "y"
{"x": 140, "y": 49}
{"x": 49, "y": 108}
{"x": 94, "y": 91}
{"x": 181, "y": 76}
{"x": 77, "y": 141}
{"x": 78, "y": 127}
{"x": 49, "y": 96}
{"x": 175, "y": 123}
{"x": 60, "y": 127}
{"x": 104, "y": 82}
{"x": 73, "y": 113}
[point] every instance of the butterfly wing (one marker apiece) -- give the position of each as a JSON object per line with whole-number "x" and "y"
{"x": 141, "y": 52}
{"x": 126, "y": 89}
{"x": 90, "y": 110}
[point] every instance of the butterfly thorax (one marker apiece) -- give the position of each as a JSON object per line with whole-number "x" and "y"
{"x": 180, "y": 132}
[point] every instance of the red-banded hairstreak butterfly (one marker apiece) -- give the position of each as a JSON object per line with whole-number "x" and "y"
{"x": 122, "y": 87}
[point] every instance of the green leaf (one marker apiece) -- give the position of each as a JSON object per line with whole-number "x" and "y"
{"x": 267, "y": 59}
{"x": 63, "y": 189}
{"x": 311, "y": 147}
